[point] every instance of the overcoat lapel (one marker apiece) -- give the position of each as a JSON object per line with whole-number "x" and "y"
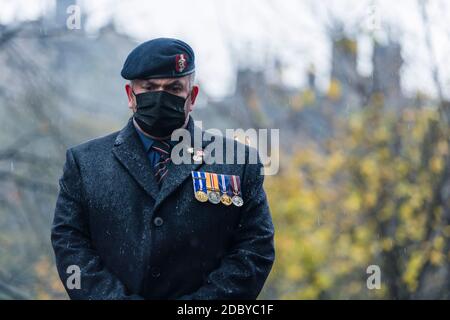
{"x": 129, "y": 150}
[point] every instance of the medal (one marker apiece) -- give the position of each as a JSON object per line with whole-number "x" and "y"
{"x": 199, "y": 186}
{"x": 223, "y": 183}
{"x": 236, "y": 199}
{"x": 211, "y": 187}
{"x": 201, "y": 196}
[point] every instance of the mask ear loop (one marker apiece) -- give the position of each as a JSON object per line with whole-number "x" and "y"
{"x": 134, "y": 94}
{"x": 189, "y": 96}
{"x": 187, "y": 112}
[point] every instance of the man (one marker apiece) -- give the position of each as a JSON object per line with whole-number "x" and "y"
{"x": 132, "y": 224}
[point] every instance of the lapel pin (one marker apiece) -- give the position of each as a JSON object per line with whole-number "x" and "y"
{"x": 198, "y": 155}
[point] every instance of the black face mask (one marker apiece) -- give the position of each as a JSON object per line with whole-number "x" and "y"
{"x": 159, "y": 113}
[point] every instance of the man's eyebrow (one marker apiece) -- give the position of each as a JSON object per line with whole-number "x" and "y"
{"x": 150, "y": 82}
{"x": 174, "y": 83}
{"x": 156, "y": 83}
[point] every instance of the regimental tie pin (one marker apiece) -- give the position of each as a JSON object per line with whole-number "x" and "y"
{"x": 197, "y": 154}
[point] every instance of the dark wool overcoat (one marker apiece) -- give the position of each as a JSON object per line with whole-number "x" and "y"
{"x": 130, "y": 239}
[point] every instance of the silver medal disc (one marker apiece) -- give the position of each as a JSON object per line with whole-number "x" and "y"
{"x": 237, "y": 201}
{"x": 214, "y": 197}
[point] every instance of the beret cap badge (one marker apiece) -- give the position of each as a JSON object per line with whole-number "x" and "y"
{"x": 180, "y": 62}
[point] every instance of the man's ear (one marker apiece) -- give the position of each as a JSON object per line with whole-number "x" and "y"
{"x": 130, "y": 95}
{"x": 194, "y": 93}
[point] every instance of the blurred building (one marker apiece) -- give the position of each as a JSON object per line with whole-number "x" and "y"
{"x": 88, "y": 68}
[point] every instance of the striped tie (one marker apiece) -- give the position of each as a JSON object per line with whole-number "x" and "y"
{"x": 160, "y": 168}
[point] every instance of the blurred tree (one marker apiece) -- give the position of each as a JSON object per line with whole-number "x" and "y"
{"x": 374, "y": 195}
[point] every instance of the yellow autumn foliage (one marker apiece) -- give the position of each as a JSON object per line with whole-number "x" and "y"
{"x": 367, "y": 198}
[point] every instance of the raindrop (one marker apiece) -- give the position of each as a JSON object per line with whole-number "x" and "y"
{"x": 12, "y": 166}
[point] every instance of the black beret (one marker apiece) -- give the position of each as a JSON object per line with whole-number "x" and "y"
{"x": 159, "y": 58}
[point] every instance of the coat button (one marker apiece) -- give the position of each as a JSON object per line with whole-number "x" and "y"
{"x": 158, "y": 221}
{"x": 155, "y": 272}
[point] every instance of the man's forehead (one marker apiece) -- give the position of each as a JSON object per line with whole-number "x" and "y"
{"x": 163, "y": 81}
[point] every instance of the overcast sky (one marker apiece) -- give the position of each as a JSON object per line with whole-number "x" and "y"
{"x": 226, "y": 34}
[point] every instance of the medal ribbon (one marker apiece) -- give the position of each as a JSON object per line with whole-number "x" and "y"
{"x": 236, "y": 184}
{"x": 194, "y": 180}
{"x": 223, "y": 184}
{"x": 215, "y": 181}
{"x": 200, "y": 181}
{"x": 208, "y": 181}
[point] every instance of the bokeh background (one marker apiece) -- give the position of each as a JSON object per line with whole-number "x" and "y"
{"x": 360, "y": 91}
